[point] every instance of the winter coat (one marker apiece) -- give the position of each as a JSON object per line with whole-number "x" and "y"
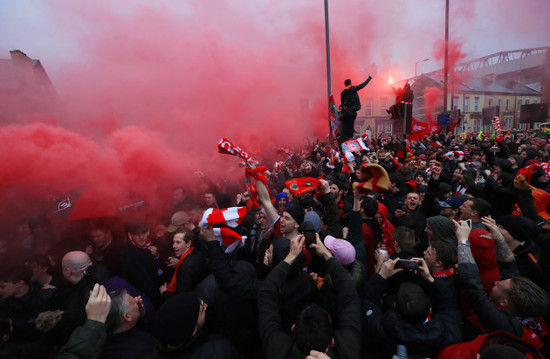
{"x": 276, "y": 341}
{"x": 388, "y": 329}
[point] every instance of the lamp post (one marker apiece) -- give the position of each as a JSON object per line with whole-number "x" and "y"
{"x": 416, "y": 64}
{"x": 327, "y": 46}
{"x": 446, "y": 65}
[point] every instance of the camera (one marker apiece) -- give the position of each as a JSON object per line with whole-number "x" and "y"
{"x": 310, "y": 238}
{"x": 406, "y": 264}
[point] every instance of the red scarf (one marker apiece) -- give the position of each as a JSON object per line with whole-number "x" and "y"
{"x": 173, "y": 284}
{"x": 444, "y": 273}
{"x": 258, "y": 174}
{"x": 135, "y": 244}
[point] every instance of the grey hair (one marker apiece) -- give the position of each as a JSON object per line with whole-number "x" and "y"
{"x": 119, "y": 307}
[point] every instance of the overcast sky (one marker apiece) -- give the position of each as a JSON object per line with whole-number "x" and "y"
{"x": 390, "y": 33}
{"x": 150, "y": 87}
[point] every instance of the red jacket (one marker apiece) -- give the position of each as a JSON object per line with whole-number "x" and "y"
{"x": 471, "y": 349}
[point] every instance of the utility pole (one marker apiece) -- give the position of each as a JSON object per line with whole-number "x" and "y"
{"x": 446, "y": 66}
{"x": 329, "y": 91}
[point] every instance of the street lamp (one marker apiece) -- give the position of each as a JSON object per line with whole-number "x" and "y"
{"x": 416, "y": 64}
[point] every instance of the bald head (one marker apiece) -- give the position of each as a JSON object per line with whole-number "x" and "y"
{"x": 76, "y": 261}
{"x": 74, "y": 264}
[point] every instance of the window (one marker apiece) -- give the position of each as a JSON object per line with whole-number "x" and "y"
{"x": 383, "y": 104}
{"x": 476, "y": 104}
{"x": 455, "y": 103}
{"x": 520, "y": 102}
{"x": 388, "y": 128}
{"x": 466, "y": 104}
{"x": 368, "y": 107}
{"x": 503, "y": 123}
{"x": 534, "y": 101}
{"x": 499, "y": 103}
{"x": 527, "y": 102}
{"x": 477, "y": 125}
{"x": 507, "y": 105}
{"x": 490, "y": 103}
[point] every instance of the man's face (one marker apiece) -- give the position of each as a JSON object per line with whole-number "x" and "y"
{"x": 523, "y": 155}
{"x": 500, "y": 290}
{"x": 335, "y": 191}
{"x": 457, "y": 175}
{"x": 140, "y": 238}
{"x": 282, "y": 202}
{"x": 448, "y": 212}
{"x": 288, "y": 224}
{"x": 262, "y": 220}
{"x": 466, "y": 210}
{"x": 430, "y": 256}
{"x": 133, "y": 312}
{"x": 100, "y": 238}
{"x": 423, "y": 165}
{"x": 412, "y": 200}
{"x": 210, "y": 200}
{"x": 8, "y": 289}
{"x": 37, "y": 269}
{"x": 177, "y": 195}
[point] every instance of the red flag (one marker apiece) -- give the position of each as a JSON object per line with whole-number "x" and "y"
{"x": 298, "y": 186}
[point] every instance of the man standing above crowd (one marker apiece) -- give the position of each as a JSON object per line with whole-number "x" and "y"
{"x": 349, "y": 94}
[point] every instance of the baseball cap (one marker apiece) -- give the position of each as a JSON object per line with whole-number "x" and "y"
{"x": 178, "y": 219}
{"x": 451, "y": 202}
{"x": 342, "y": 250}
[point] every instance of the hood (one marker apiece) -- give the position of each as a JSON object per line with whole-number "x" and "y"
{"x": 383, "y": 210}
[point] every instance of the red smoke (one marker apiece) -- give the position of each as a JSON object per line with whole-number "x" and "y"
{"x": 433, "y": 97}
{"x": 150, "y": 89}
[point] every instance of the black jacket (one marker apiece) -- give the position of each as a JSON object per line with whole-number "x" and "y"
{"x": 140, "y": 268}
{"x": 191, "y": 271}
{"x": 387, "y": 329}
{"x": 350, "y": 95}
{"x": 278, "y": 343}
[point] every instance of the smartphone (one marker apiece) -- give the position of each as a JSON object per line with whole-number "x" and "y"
{"x": 469, "y": 221}
{"x": 401, "y": 205}
{"x": 406, "y": 264}
{"x": 310, "y": 238}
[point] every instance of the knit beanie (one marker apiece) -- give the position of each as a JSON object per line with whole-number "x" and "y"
{"x": 313, "y": 218}
{"x": 505, "y": 165}
{"x": 296, "y": 212}
{"x": 443, "y": 188}
{"x": 177, "y": 318}
{"x": 518, "y": 159}
{"x": 521, "y": 228}
{"x": 443, "y": 229}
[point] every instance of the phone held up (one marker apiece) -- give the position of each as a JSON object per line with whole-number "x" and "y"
{"x": 310, "y": 238}
{"x": 406, "y": 264}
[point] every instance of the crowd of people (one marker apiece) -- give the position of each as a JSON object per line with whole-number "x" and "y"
{"x": 437, "y": 248}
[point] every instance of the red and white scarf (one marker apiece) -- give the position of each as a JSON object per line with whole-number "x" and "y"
{"x": 227, "y": 147}
{"x": 231, "y": 217}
